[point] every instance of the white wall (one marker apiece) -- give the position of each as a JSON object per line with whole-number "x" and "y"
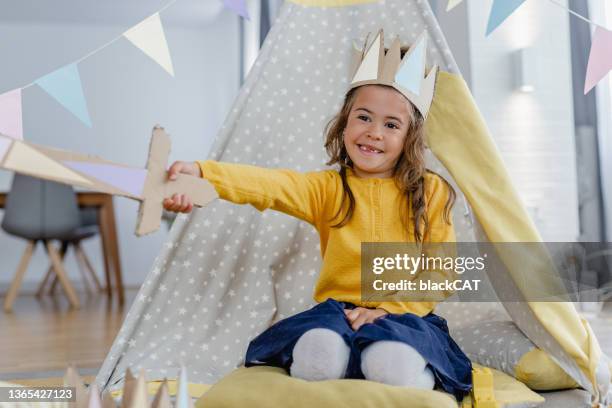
{"x": 534, "y": 132}
{"x": 127, "y": 93}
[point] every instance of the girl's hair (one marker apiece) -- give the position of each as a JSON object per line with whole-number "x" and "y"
{"x": 408, "y": 173}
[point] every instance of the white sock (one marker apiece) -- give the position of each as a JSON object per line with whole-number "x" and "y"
{"x": 320, "y": 354}
{"x": 396, "y": 363}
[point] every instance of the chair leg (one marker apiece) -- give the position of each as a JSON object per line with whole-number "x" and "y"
{"x": 56, "y": 261}
{"x": 41, "y": 287}
{"x": 54, "y": 282}
{"x": 84, "y": 277}
{"x": 80, "y": 253}
{"x": 21, "y": 269}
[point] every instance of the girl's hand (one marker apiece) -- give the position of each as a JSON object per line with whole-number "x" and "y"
{"x": 178, "y": 203}
{"x": 190, "y": 168}
{"x": 361, "y": 315}
{"x": 181, "y": 202}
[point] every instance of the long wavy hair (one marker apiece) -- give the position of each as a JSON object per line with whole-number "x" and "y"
{"x": 408, "y": 173}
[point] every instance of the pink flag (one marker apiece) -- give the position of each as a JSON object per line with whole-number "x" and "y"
{"x": 11, "y": 123}
{"x": 600, "y": 58}
{"x": 238, "y": 6}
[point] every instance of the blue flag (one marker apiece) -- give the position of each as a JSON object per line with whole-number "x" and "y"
{"x": 64, "y": 85}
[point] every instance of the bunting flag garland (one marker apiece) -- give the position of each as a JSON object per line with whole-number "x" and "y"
{"x": 150, "y": 38}
{"x": 600, "y": 58}
{"x": 11, "y": 121}
{"x": 64, "y": 85}
{"x": 238, "y": 6}
{"x": 500, "y": 11}
{"x": 452, "y": 4}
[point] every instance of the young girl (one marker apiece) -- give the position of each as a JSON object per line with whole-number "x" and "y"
{"x": 382, "y": 192}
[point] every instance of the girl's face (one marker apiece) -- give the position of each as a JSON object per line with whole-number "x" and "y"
{"x": 376, "y": 130}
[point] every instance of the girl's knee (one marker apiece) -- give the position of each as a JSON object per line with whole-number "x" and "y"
{"x": 320, "y": 354}
{"x": 396, "y": 363}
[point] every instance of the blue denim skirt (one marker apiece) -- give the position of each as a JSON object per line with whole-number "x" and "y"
{"x": 428, "y": 335}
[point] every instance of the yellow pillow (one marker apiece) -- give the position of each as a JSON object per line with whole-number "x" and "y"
{"x": 540, "y": 372}
{"x": 272, "y": 387}
{"x": 195, "y": 390}
{"x": 263, "y": 386}
{"x": 502, "y": 346}
{"x": 509, "y": 392}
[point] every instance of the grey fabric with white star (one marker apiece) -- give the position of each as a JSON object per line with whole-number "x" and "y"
{"x": 498, "y": 345}
{"x": 227, "y": 272}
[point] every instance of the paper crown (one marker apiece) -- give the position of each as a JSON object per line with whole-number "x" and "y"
{"x": 371, "y": 65}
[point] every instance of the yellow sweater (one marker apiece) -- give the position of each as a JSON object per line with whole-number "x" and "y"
{"x": 315, "y": 197}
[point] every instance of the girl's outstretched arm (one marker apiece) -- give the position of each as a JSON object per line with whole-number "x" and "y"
{"x": 302, "y": 195}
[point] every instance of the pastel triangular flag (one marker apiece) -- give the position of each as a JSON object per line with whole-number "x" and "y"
{"x": 452, "y": 4}
{"x": 500, "y": 11}
{"x": 238, "y": 6}
{"x": 94, "y": 397}
{"x": 129, "y": 385}
{"x": 108, "y": 401}
{"x": 410, "y": 74}
{"x": 25, "y": 159}
{"x": 162, "y": 397}
{"x": 150, "y": 38}
{"x": 139, "y": 397}
{"x": 11, "y": 122}
{"x": 126, "y": 179}
{"x": 5, "y": 143}
{"x": 64, "y": 85}
{"x": 368, "y": 70}
{"x": 183, "y": 399}
{"x": 73, "y": 379}
{"x": 600, "y": 58}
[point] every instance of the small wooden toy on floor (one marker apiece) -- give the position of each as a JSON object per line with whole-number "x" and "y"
{"x": 134, "y": 394}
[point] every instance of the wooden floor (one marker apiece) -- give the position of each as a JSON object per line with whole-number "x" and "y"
{"x": 45, "y": 336}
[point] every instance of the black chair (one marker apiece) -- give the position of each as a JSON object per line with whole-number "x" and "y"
{"x": 43, "y": 211}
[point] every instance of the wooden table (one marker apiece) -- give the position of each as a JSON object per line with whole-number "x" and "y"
{"x": 108, "y": 234}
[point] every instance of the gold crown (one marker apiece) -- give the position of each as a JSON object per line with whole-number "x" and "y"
{"x": 371, "y": 65}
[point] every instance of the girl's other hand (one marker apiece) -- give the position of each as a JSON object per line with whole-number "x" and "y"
{"x": 178, "y": 167}
{"x": 181, "y": 202}
{"x": 361, "y": 315}
{"x": 178, "y": 203}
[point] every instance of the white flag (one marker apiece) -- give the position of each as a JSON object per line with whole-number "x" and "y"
{"x": 452, "y": 4}
{"x": 149, "y": 37}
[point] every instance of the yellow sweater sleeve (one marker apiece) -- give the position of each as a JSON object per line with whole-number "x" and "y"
{"x": 436, "y": 193}
{"x": 301, "y": 195}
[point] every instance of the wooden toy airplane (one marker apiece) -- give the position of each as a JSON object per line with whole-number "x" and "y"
{"x": 149, "y": 186}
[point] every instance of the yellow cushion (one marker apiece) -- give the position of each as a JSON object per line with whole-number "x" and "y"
{"x": 195, "y": 390}
{"x": 540, "y": 372}
{"x": 263, "y": 386}
{"x": 509, "y": 392}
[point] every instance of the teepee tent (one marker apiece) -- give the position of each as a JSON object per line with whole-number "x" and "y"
{"x": 227, "y": 272}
